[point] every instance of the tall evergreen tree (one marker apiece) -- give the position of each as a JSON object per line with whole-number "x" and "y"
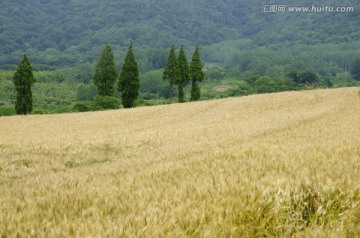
{"x": 196, "y": 74}
{"x": 105, "y": 73}
{"x": 129, "y": 82}
{"x": 355, "y": 68}
{"x": 184, "y": 74}
{"x": 23, "y": 81}
{"x": 172, "y": 70}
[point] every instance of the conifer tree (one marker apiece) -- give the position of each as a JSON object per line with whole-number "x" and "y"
{"x": 355, "y": 68}
{"x": 129, "y": 82}
{"x": 196, "y": 74}
{"x": 172, "y": 71}
{"x": 184, "y": 74}
{"x": 105, "y": 73}
{"x": 23, "y": 81}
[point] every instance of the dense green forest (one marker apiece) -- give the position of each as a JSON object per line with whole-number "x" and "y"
{"x": 72, "y": 32}
{"x": 241, "y": 45}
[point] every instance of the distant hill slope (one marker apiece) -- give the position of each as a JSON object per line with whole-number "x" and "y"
{"x": 67, "y": 32}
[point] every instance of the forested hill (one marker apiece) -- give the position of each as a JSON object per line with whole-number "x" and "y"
{"x": 69, "y": 32}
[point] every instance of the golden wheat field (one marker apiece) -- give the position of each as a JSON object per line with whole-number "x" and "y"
{"x": 273, "y": 165}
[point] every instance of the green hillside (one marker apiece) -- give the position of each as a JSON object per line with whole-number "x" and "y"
{"x": 63, "y": 32}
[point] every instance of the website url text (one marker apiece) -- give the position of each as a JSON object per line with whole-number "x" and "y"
{"x": 309, "y": 9}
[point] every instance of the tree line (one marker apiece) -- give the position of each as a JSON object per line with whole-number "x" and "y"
{"x": 177, "y": 72}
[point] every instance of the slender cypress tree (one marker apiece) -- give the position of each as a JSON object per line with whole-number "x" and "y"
{"x": 196, "y": 74}
{"x": 105, "y": 73}
{"x": 355, "y": 68}
{"x": 23, "y": 81}
{"x": 129, "y": 82}
{"x": 172, "y": 71}
{"x": 184, "y": 74}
